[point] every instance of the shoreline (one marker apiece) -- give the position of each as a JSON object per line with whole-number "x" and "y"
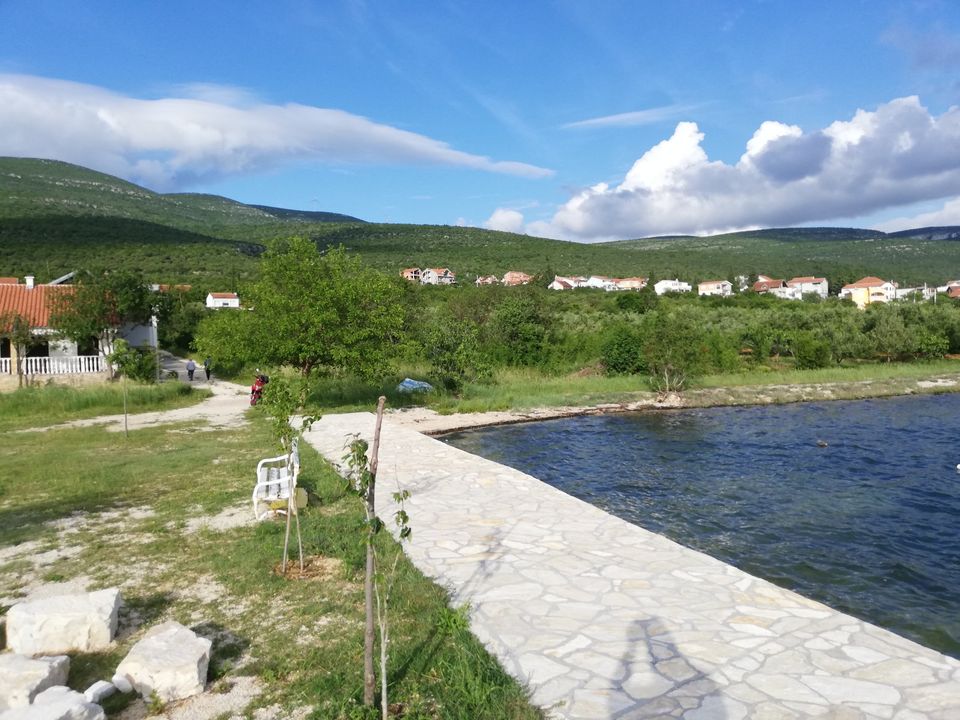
{"x": 432, "y": 423}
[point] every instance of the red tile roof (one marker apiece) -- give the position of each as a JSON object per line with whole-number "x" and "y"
{"x": 867, "y": 282}
{"x": 32, "y": 303}
{"x": 224, "y": 295}
{"x": 9, "y": 280}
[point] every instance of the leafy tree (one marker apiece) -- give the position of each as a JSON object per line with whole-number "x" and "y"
{"x": 809, "y": 351}
{"x": 453, "y": 347}
{"x": 623, "y": 351}
{"x": 520, "y": 326}
{"x": 642, "y": 301}
{"x": 17, "y": 330}
{"x": 674, "y": 351}
{"x": 318, "y": 313}
{"x": 100, "y": 304}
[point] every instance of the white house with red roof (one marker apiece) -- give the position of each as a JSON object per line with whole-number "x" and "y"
{"x": 809, "y": 284}
{"x": 721, "y": 288}
{"x": 48, "y": 355}
{"x": 437, "y": 276}
{"x": 216, "y": 300}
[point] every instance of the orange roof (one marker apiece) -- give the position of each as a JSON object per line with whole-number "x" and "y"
{"x": 30, "y": 303}
{"x": 224, "y": 295}
{"x": 9, "y": 280}
{"x": 867, "y": 282}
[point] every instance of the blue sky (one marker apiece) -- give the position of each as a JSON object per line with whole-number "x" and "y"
{"x": 569, "y": 119}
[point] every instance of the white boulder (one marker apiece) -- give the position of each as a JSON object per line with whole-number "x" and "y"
{"x": 22, "y": 678}
{"x": 57, "y": 703}
{"x": 62, "y": 623}
{"x": 170, "y": 660}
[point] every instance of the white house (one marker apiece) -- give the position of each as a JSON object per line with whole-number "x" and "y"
{"x": 722, "y": 288}
{"x": 437, "y": 276}
{"x": 810, "y": 284}
{"x": 601, "y": 282}
{"x": 487, "y": 280}
{"x": 785, "y": 292}
{"x": 223, "y": 300}
{"x": 630, "y": 283}
{"x": 561, "y": 283}
{"x": 676, "y": 285}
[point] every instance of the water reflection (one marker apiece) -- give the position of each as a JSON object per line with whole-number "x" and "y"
{"x": 856, "y": 504}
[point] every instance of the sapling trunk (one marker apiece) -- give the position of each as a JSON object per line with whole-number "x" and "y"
{"x": 369, "y": 680}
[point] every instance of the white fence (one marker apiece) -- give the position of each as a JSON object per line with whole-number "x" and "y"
{"x": 78, "y": 365}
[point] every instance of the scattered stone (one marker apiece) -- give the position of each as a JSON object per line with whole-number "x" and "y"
{"x": 99, "y": 690}
{"x": 84, "y": 622}
{"x": 24, "y": 678}
{"x": 170, "y": 660}
{"x": 57, "y": 703}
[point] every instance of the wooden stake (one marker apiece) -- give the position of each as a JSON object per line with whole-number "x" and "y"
{"x": 369, "y": 680}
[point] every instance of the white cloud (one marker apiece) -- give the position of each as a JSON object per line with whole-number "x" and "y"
{"x": 506, "y": 220}
{"x": 949, "y": 214}
{"x": 172, "y": 142}
{"x": 893, "y": 156}
{"x": 637, "y": 117}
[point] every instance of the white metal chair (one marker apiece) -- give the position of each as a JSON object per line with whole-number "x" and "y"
{"x": 276, "y": 483}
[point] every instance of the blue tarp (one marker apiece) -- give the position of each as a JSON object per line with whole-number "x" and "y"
{"x": 409, "y": 386}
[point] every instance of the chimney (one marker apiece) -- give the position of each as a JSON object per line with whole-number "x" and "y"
{"x": 29, "y": 279}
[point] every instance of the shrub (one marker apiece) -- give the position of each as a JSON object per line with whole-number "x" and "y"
{"x": 623, "y": 351}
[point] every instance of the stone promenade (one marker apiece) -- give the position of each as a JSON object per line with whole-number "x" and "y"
{"x": 602, "y": 619}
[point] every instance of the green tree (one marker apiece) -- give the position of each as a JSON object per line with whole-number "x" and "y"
{"x": 318, "y": 313}
{"x": 100, "y": 304}
{"x": 520, "y": 326}
{"x": 674, "y": 351}
{"x": 17, "y": 331}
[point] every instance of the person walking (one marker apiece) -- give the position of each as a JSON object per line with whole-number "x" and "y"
{"x": 191, "y": 367}
{"x": 206, "y": 367}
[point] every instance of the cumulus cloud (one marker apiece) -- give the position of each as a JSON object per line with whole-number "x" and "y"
{"x": 207, "y": 133}
{"x": 896, "y": 155}
{"x": 505, "y": 220}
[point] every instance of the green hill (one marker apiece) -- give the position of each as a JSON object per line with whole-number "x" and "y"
{"x": 55, "y": 217}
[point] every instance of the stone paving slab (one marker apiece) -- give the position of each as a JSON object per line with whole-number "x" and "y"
{"x": 603, "y": 619}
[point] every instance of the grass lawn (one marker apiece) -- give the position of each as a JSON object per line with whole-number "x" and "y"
{"x": 88, "y": 506}
{"x": 36, "y": 406}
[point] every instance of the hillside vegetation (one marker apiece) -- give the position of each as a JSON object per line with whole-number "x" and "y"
{"x": 55, "y": 217}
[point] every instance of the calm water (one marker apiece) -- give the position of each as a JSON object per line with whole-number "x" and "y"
{"x": 869, "y": 524}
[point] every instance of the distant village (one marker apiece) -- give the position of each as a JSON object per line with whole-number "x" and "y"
{"x": 863, "y": 292}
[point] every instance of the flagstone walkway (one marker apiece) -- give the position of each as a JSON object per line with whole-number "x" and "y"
{"x": 602, "y": 619}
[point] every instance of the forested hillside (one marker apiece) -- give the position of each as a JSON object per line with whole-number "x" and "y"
{"x": 56, "y": 217}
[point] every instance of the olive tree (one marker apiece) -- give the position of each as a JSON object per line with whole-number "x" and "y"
{"x": 18, "y": 331}
{"x": 99, "y": 305}
{"x": 319, "y": 313}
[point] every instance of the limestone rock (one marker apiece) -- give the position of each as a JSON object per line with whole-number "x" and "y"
{"x": 170, "y": 660}
{"x": 56, "y": 703}
{"x": 22, "y": 678}
{"x": 84, "y": 622}
{"x": 99, "y": 690}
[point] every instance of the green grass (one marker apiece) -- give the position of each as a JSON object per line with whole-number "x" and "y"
{"x": 528, "y": 388}
{"x": 129, "y": 504}
{"x": 48, "y": 405}
{"x": 852, "y": 373}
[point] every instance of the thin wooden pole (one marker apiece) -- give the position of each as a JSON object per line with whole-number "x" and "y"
{"x": 369, "y": 680}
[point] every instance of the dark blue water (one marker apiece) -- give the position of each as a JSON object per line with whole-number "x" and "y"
{"x": 868, "y": 524}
